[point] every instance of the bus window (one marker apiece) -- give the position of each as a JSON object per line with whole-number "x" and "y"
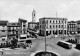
{"x": 22, "y": 37}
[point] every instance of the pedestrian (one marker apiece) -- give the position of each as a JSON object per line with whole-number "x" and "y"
{"x": 2, "y": 51}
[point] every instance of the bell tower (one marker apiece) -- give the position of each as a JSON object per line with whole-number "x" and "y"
{"x": 34, "y": 16}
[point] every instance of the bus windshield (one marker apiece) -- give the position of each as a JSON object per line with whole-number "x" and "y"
{"x": 22, "y": 37}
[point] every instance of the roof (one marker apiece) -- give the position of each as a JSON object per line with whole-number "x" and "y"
{"x": 3, "y": 23}
{"x": 53, "y": 18}
{"x": 32, "y": 22}
{"x": 13, "y": 24}
{"x": 72, "y": 22}
{"x": 64, "y": 42}
{"x": 22, "y": 20}
{"x": 78, "y": 22}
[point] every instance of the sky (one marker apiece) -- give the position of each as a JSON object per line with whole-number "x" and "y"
{"x": 12, "y": 10}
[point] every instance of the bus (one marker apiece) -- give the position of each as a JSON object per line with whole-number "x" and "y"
{"x": 23, "y": 37}
{"x": 64, "y": 44}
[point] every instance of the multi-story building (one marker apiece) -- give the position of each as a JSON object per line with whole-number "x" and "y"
{"x": 13, "y": 30}
{"x": 32, "y": 25}
{"x": 37, "y": 27}
{"x": 72, "y": 27}
{"x": 78, "y": 27}
{"x": 3, "y": 28}
{"x": 23, "y": 26}
{"x": 52, "y": 26}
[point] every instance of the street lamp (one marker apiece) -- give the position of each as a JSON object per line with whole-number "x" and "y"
{"x": 45, "y": 37}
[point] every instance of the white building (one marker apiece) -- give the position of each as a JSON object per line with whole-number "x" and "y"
{"x": 54, "y": 26}
{"x": 3, "y": 28}
{"x": 23, "y": 25}
{"x": 32, "y": 25}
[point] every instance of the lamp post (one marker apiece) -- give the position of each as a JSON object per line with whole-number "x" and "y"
{"x": 45, "y": 37}
{"x": 63, "y": 28}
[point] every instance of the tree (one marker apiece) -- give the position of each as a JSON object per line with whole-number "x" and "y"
{"x": 14, "y": 43}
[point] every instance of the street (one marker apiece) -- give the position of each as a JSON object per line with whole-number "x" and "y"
{"x": 39, "y": 45}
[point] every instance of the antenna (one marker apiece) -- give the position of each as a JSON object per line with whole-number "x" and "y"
{"x": 56, "y": 14}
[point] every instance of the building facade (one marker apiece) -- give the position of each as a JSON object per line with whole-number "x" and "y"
{"x": 13, "y": 30}
{"x": 23, "y": 26}
{"x": 3, "y": 28}
{"x": 32, "y": 25}
{"x": 52, "y": 26}
{"x": 78, "y": 27}
{"x": 72, "y": 27}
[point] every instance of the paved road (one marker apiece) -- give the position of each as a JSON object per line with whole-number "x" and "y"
{"x": 40, "y": 45}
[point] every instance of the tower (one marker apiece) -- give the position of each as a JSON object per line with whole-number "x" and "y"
{"x": 34, "y": 16}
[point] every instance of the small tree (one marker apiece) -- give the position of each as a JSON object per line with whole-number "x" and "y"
{"x": 14, "y": 42}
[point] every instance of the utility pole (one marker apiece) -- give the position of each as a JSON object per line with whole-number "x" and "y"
{"x": 63, "y": 27}
{"x": 45, "y": 37}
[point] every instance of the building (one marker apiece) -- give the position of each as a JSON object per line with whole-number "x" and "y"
{"x": 13, "y": 30}
{"x": 34, "y": 16}
{"x": 52, "y": 26}
{"x": 3, "y": 28}
{"x": 77, "y": 38}
{"x": 23, "y": 26}
{"x": 72, "y": 27}
{"x": 78, "y": 27}
{"x": 32, "y": 25}
{"x": 37, "y": 27}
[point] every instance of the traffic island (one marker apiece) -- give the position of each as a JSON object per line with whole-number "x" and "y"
{"x": 43, "y": 53}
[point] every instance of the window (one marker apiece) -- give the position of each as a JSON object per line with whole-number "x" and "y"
{"x": 3, "y": 27}
{"x": 62, "y": 21}
{"x": 47, "y": 21}
{"x": 53, "y": 26}
{"x": 24, "y": 25}
{"x": 3, "y": 30}
{"x": 59, "y": 21}
{"x": 59, "y": 26}
{"x": 17, "y": 27}
{"x": 14, "y": 32}
{"x": 56, "y": 21}
{"x": 53, "y": 21}
{"x": 62, "y": 26}
{"x": 50, "y": 26}
{"x": 56, "y": 26}
{"x": 14, "y": 27}
{"x": 50, "y": 21}
{"x": 11, "y": 32}
{"x": 11, "y": 28}
{"x": 65, "y": 22}
{"x": 22, "y": 37}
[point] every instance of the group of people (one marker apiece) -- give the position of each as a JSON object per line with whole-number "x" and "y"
{"x": 15, "y": 44}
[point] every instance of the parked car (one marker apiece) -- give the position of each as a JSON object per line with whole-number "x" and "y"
{"x": 77, "y": 46}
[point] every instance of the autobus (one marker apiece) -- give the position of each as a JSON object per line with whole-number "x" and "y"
{"x": 22, "y": 37}
{"x": 64, "y": 44}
